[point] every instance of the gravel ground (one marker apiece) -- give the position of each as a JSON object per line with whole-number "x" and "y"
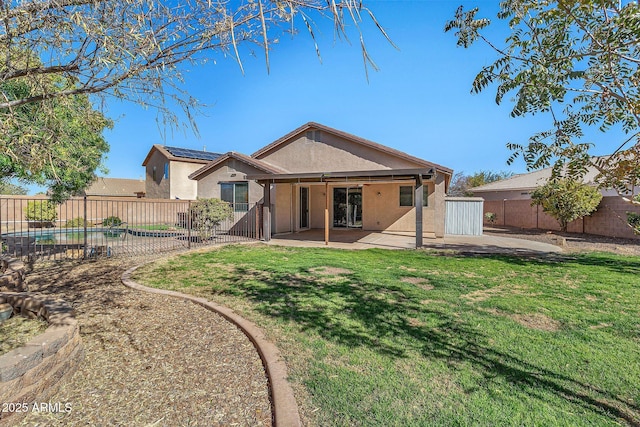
{"x": 574, "y": 242}
{"x": 150, "y": 359}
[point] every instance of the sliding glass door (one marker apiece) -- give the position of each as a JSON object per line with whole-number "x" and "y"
{"x": 347, "y": 207}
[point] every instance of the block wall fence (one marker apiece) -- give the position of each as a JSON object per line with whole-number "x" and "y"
{"x": 610, "y": 219}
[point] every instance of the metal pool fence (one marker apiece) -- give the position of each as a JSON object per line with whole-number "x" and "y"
{"x": 33, "y": 228}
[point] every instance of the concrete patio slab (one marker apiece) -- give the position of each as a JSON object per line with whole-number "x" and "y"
{"x": 358, "y": 239}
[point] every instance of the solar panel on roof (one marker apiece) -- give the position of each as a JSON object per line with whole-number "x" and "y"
{"x": 192, "y": 154}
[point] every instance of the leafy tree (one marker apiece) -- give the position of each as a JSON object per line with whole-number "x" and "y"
{"x": 577, "y": 60}
{"x": 7, "y": 187}
{"x": 138, "y": 49}
{"x": 566, "y": 200}
{"x": 462, "y": 184}
{"x": 56, "y": 142}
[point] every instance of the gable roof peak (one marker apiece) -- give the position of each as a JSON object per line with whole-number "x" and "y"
{"x": 350, "y": 137}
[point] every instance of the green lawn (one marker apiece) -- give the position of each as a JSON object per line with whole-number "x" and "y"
{"x": 401, "y": 338}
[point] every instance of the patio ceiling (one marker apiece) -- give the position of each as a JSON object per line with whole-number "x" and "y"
{"x": 349, "y": 176}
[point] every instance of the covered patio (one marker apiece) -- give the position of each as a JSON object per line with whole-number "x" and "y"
{"x": 328, "y": 181}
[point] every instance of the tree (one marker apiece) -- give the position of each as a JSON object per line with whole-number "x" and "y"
{"x": 577, "y": 60}
{"x": 462, "y": 184}
{"x": 137, "y": 49}
{"x": 566, "y": 200}
{"x": 7, "y": 187}
{"x": 56, "y": 142}
{"x": 55, "y": 53}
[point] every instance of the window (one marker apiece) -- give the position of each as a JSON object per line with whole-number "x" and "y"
{"x": 236, "y": 193}
{"x": 406, "y": 195}
{"x": 166, "y": 171}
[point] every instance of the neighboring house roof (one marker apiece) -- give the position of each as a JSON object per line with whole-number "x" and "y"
{"x": 349, "y": 137}
{"x": 527, "y": 181}
{"x": 182, "y": 154}
{"x": 270, "y": 169}
{"x": 118, "y": 187}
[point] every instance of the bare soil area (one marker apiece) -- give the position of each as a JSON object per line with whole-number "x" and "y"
{"x": 150, "y": 359}
{"x": 572, "y": 242}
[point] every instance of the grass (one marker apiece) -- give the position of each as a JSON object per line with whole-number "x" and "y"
{"x": 412, "y": 338}
{"x": 17, "y": 331}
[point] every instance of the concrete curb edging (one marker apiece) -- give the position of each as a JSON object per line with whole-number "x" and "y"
{"x": 283, "y": 403}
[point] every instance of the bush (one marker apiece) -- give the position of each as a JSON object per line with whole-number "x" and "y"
{"x": 206, "y": 214}
{"x": 40, "y": 210}
{"x": 111, "y": 221}
{"x": 566, "y": 200}
{"x": 634, "y": 221}
{"x": 490, "y": 217}
{"x": 75, "y": 222}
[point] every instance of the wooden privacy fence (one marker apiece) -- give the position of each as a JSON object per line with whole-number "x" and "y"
{"x": 608, "y": 220}
{"x": 93, "y": 227}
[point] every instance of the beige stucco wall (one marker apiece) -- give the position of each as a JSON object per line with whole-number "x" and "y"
{"x": 158, "y": 188}
{"x": 178, "y": 185}
{"x": 331, "y": 153}
{"x": 283, "y": 208}
{"x": 181, "y": 186}
{"x": 231, "y": 170}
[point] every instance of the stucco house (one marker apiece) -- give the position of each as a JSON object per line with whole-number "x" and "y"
{"x": 520, "y": 187}
{"x": 317, "y": 177}
{"x": 168, "y": 169}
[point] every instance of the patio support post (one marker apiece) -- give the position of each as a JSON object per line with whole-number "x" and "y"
{"x": 326, "y": 213}
{"x": 266, "y": 212}
{"x": 419, "y": 202}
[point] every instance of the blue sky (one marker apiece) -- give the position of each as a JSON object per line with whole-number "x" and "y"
{"x": 419, "y": 102}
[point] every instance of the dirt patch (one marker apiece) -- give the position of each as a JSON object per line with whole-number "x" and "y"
{"x": 537, "y": 321}
{"x": 330, "y": 271}
{"x": 150, "y": 359}
{"x": 529, "y": 320}
{"x": 420, "y": 282}
{"x": 416, "y": 323}
{"x": 485, "y": 294}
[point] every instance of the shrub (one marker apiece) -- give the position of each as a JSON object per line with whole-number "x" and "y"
{"x": 634, "y": 221}
{"x": 75, "y": 222}
{"x": 490, "y": 217}
{"x": 206, "y": 214}
{"x": 111, "y": 221}
{"x": 566, "y": 200}
{"x": 40, "y": 210}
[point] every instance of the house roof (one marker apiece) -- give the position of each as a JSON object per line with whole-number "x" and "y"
{"x": 115, "y": 187}
{"x": 182, "y": 154}
{"x": 353, "y": 138}
{"x": 528, "y": 181}
{"x": 258, "y": 164}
